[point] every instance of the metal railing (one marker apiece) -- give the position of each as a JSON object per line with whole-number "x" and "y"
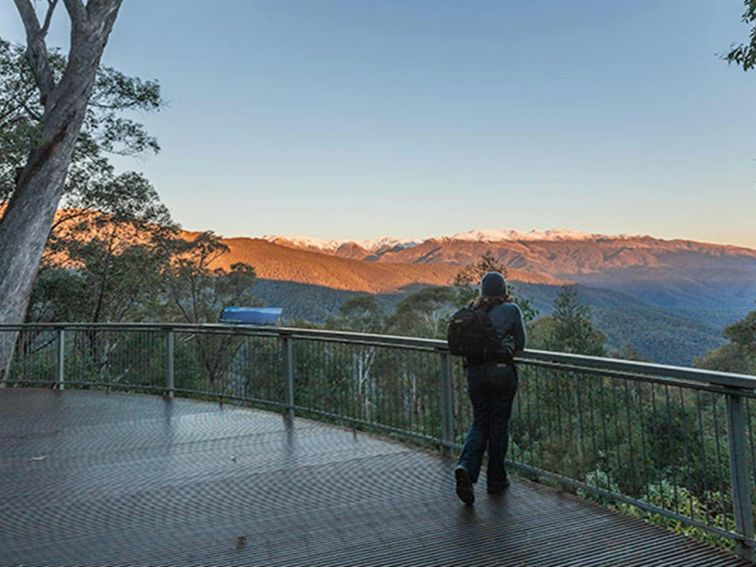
{"x": 674, "y": 443}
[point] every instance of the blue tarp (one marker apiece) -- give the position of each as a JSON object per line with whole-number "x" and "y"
{"x": 251, "y": 315}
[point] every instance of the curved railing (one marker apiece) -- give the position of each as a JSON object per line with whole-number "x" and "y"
{"x": 675, "y": 444}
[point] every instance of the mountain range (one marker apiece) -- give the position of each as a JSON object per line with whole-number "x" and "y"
{"x": 668, "y": 298}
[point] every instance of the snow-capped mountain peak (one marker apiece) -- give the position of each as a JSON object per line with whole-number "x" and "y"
{"x": 303, "y": 241}
{"x": 389, "y": 243}
{"x": 386, "y": 243}
{"x": 496, "y": 235}
{"x": 371, "y": 245}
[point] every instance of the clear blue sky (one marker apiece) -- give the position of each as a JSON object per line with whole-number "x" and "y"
{"x": 416, "y": 117}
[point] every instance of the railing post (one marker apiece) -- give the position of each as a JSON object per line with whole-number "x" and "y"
{"x": 288, "y": 372}
{"x": 739, "y": 476}
{"x": 447, "y": 403}
{"x": 60, "y": 358}
{"x": 170, "y": 369}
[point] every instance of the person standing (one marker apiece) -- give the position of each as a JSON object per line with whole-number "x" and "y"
{"x": 491, "y": 386}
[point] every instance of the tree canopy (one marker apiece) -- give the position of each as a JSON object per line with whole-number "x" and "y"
{"x": 570, "y": 328}
{"x": 744, "y": 54}
{"x": 739, "y": 355}
{"x": 362, "y": 314}
{"x": 105, "y": 129}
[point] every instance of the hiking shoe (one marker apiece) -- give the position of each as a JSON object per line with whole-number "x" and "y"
{"x": 498, "y": 488}
{"x": 464, "y": 486}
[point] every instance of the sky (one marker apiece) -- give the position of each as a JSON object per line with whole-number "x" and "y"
{"x": 413, "y": 118}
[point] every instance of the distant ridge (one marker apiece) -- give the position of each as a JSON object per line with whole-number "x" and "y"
{"x": 559, "y": 254}
{"x": 384, "y": 244}
{"x": 390, "y": 242}
{"x": 323, "y": 245}
{"x": 497, "y": 235}
{"x": 274, "y": 261}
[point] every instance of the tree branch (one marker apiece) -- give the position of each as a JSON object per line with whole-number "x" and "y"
{"x": 77, "y": 12}
{"x": 99, "y": 14}
{"x": 48, "y": 17}
{"x": 36, "y": 51}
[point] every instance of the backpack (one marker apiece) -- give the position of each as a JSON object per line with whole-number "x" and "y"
{"x": 471, "y": 334}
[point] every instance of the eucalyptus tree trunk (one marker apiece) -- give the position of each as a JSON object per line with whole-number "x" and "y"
{"x": 27, "y": 221}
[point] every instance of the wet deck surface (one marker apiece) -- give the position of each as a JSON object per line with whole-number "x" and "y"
{"x": 90, "y": 478}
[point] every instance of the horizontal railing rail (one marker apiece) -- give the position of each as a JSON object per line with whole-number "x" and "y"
{"x": 659, "y": 372}
{"x": 676, "y": 443}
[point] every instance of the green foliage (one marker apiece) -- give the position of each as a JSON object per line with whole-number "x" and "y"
{"x": 654, "y": 332}
{"x": 198, "y": 292}
{"x": 113, "y": 260}
{"x": 470, "y": 275}
{"x": 658, "y": 444}
{"x": 743, "y": 333}
{"x": 58, "y": 295}
{"x": 667, "y": 496}
{"x": 19, "y": 119}
{"x": 362, "y": 314}
{"x": 105, "y": 131}
{"x": 113, "y": 240}
{"x": 739, "y": 355}
{"x": 424, "y": 313}
{"x": 569, "y": 328}
{"x": 744, "y": 55}
{"x": 627, "y": 352}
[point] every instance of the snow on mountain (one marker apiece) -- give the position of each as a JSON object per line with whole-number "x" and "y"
{"x": 371, "y": 245}
{"x": 497, "y": 235}
{"x": 384, "y": 243}
{"x": 304, "y": 242}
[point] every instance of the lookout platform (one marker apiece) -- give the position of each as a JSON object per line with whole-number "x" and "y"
{"x": 94, "y": 478}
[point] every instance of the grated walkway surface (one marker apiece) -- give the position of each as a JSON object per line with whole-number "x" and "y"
{"x": 92, "y": 478}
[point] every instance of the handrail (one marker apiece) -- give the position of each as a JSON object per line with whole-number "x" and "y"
{"x": 623, "y": 368}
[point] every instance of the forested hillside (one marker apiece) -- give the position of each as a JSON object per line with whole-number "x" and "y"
{"x": 656, "y": 334}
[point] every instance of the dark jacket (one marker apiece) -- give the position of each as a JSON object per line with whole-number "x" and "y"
{"x": 507, "y": 320}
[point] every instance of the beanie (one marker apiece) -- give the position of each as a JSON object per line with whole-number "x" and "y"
{"x": 493, "y": 284}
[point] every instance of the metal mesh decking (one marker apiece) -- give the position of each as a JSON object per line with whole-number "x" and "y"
{"x": 91, "y": 478}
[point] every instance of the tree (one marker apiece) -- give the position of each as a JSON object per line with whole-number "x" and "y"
{"x": 424, "y": 313}
{"x": 198, "y": 292}
{"x": 471, "y": 274}
{"x": 739, "y": 355}
{"x": 628, "y": 352}
{"x": 104, "y": 130}
{"x": 58, "y": 295}
{"x": 362, "y": 314}
{"x": 114, "y": 254}
{"x": 744, "y": 55}
{"x": 29, "y": 215}
{"x": 106, "y": 219}
{"x": 569, "y": 328}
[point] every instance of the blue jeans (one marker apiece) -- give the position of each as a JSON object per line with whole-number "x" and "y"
{"x": 492, "y": 390}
